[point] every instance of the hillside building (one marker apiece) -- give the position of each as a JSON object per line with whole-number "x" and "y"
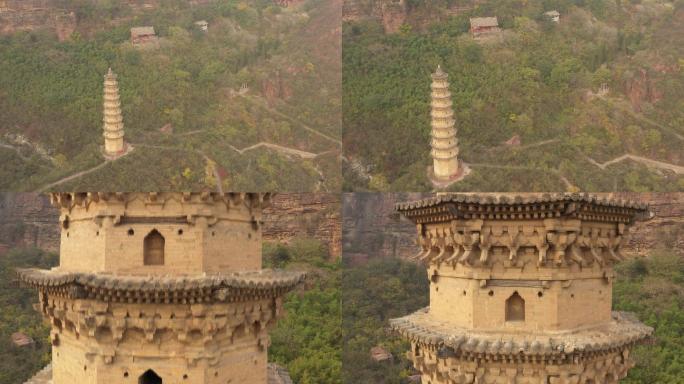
{"x": 21, "y": 340}
{"x": 202, "y": 25}
{"x": 143, "y": 36}
{"x": 553, "y": 16}
{"x": 160, "y": 288}
{"x": 481, "y": 27}
{"x": 521, "y": 290}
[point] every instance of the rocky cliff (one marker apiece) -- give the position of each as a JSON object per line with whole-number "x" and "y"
{"x": 392, "y": 14}
{"x": 372, "y": 229}
{"x": 314, "y": 215}
{"x": 28, "y": 220}
{"x": 30, "y": 15}
{"x": 664, "y": 230}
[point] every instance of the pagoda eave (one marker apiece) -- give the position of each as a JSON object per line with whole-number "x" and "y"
{"x": 236, "y": 286}
{"x": 622, "y": 331}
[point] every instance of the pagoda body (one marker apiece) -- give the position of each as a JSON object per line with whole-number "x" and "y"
{"x": 443, "y": 136}
{"x": 113, "y": 126}
{"x": 521, "y": 290}
{"x": 160, "y": 288}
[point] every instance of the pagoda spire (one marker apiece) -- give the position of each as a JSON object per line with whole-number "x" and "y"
{"x": 443, "y": 136}
{"x": 113, "y": 119}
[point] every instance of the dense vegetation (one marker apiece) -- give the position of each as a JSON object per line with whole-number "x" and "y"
{"x": 373, "y": 294}
{"x": 17, "y": 315}
{"x": 51, "y": 98}
{"x": 307, "y": 341}
{"x": 652, "y": 288}
{"x": 533, "y": 82}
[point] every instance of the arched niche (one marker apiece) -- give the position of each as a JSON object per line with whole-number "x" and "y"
{"x": 153, "y": 253}
{"x": 515, "y": 308}
{"x": 150, "y": 377}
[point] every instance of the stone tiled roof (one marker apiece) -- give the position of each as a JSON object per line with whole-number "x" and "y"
{"x": 490, "y": 199}
{"x": 480, "y": 22}
{"x": 192, "y": 288}
{"x": 142, "y": 31}
{"x": 420, "y": 326}
{"x": 534, "y": 206}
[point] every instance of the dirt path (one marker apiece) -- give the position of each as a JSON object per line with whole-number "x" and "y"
{"x": 562, "y": 178}
{"x": 75, "y": 176}
{"x": 648, "y": 162}
{"x": 526, "y": 146}
{"x": 15, "y": 149}
{"x": 274, "y": 111}
{"x": 279, "y": 148}
{"x": 219, "y": 181}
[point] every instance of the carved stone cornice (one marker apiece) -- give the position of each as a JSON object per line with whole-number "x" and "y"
{"x": 475, "y": 244}
{"x": 69, "y": 200}
{"x": 105, "y": 328}
{"x": 440, "y": 368}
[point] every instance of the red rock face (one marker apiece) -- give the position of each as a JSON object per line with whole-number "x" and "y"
{"x": 315, "y": 215}
{"x": 664, "y": 230}
{"x": 642, "y": 89}
{"x": 393, "y": 15}
{"x": 28, "y": 220}
{"x": 30, "y": 15}
{"x": 276, "y": 88}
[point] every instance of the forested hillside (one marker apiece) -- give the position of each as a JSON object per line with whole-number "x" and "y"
{"x": 253, "y": 103}
{"x": 538, "y": 80}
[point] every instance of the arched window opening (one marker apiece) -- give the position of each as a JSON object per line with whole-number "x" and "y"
{"x": 149, "y": 377}
{"x": 154, "y": 248}
{"x": 515, "y": 308}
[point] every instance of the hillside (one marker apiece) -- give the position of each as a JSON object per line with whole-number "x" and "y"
{"x": 538, "y": 80}
{"x": 228, "y": 108}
